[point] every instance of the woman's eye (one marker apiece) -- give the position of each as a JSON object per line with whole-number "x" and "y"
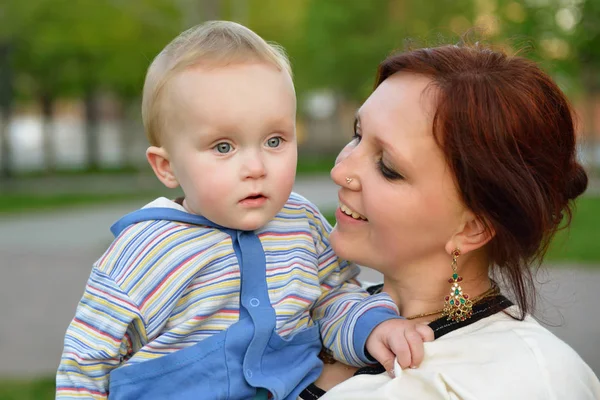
{"x": 223, "y": 148}
{"x": 274, "y": 142}
{"x": 387, "y": 172}
{"x": 356, "y": 137}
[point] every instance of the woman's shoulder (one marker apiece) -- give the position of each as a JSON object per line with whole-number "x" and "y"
{"x": 508, "y": 340}
{"x": 497, "y": 357}
{"x": 511, "y": 335}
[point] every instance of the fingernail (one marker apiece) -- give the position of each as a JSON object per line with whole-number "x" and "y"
{"x": 413, "y": 367}
{"x": 391, "y": 373}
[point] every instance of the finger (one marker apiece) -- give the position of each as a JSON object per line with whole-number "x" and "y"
{"x": 426, "y": 332}
{"x": 385, "y": 357}
{"x": 399, "y": 347}
{"x": 415, "y": 344}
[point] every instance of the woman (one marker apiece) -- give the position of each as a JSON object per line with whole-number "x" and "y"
{"x": 462, "y": 167}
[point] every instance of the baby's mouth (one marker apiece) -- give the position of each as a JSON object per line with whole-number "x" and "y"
{"x": 254, "y": 197}
{"x": 254, "y": 200}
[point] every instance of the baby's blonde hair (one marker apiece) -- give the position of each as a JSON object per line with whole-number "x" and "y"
{"x": 213, "y": 44}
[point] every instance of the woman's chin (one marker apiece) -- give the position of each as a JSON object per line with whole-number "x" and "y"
{"x": 343, "y": 247}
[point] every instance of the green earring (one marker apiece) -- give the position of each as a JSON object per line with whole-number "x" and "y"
{"x": 457, "y": 305}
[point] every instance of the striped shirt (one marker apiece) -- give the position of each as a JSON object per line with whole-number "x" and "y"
{"x": 164, "y": 285}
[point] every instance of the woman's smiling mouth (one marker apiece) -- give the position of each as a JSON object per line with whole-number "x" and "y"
{"x": 348, "y": 211}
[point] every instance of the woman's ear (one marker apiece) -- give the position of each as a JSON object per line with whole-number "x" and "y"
{"x": 158, "y": 158}
{"x": 474, "y": 233}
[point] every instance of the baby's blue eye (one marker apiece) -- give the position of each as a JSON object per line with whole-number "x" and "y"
{"x": 223, "y": 148}
{"x": 274, "y": 142}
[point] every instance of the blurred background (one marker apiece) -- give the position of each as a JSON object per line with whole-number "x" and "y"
{"x": 72, "y": 145}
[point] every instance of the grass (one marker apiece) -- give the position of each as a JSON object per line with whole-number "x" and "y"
{"x": 307, "y": 164}
{"x": 37, "y": 389}
{"x": 32, "y": 198}
{"x": 579, "y": 244}
{"x": 314, "y": 164}
{"x": 16, "y": 203}
{"x": 69, "y": 172}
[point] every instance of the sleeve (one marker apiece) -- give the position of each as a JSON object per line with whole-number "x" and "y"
{"x": 345, "y": 312}
{"x": 107, "y": 329}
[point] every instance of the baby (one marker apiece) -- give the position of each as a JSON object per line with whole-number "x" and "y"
{"x": 230, "y": 292}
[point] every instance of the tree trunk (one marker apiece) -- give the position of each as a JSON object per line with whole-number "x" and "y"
{"x": 591, "y": 142}
{"x": 91, "y": 131}
{"x": 47, "y": 105}
{"x": 6, "y": 171}
{"x": 6, "y": 97}
{"x": 126, "y": 135}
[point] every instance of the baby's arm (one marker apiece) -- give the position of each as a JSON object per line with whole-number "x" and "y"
{"x": 345, "y": 312}
{"x": 106, "y": 329}
{"x": 400, "y": 340}
{"x": 347, "y": 315}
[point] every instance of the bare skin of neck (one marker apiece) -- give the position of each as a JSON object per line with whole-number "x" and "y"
{"x": 421, "y": 289}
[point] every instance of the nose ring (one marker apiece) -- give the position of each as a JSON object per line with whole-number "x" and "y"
{"x": 349, "y": 180}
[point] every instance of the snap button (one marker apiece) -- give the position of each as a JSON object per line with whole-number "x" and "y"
{"x": 254, "y": 302}
{"x": 249, "y": 373}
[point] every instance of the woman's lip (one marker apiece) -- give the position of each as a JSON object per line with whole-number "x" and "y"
{"x": 342, "y": 203}
{"x": 345, "y": 203}
{"x": 340, "y": 216}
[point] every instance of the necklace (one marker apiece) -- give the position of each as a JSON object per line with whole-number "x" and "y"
{"x": 492, "y": 291}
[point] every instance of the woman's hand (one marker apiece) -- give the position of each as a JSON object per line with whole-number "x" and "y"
{"x": 398, "y": 339}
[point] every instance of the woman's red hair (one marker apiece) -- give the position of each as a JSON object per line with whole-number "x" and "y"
{"x": 508, "y": 135}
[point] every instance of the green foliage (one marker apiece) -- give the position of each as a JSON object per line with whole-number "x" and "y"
{"x": 588, "y": 33}
{"x": 588, "y": 44}
{"x": 40, "y": 389}
{"x": 66, "y": 47}
{"x": 345, "y": 40}
{"x": 542, "y": 30}
{"x": 62, "y": 47}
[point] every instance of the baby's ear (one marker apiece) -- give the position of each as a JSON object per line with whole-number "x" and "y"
{"x": 161, "y": 165}
{"x": 475, "y": 232}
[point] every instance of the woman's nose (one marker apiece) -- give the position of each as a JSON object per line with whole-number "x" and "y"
{"x": 343, "y": 154}
{"x": 341, "y": 171}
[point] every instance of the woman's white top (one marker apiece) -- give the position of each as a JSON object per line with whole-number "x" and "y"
{"x": 494, "y": 358}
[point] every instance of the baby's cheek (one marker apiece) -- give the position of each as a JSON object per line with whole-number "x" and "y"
{"x": 216, "y": 193}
